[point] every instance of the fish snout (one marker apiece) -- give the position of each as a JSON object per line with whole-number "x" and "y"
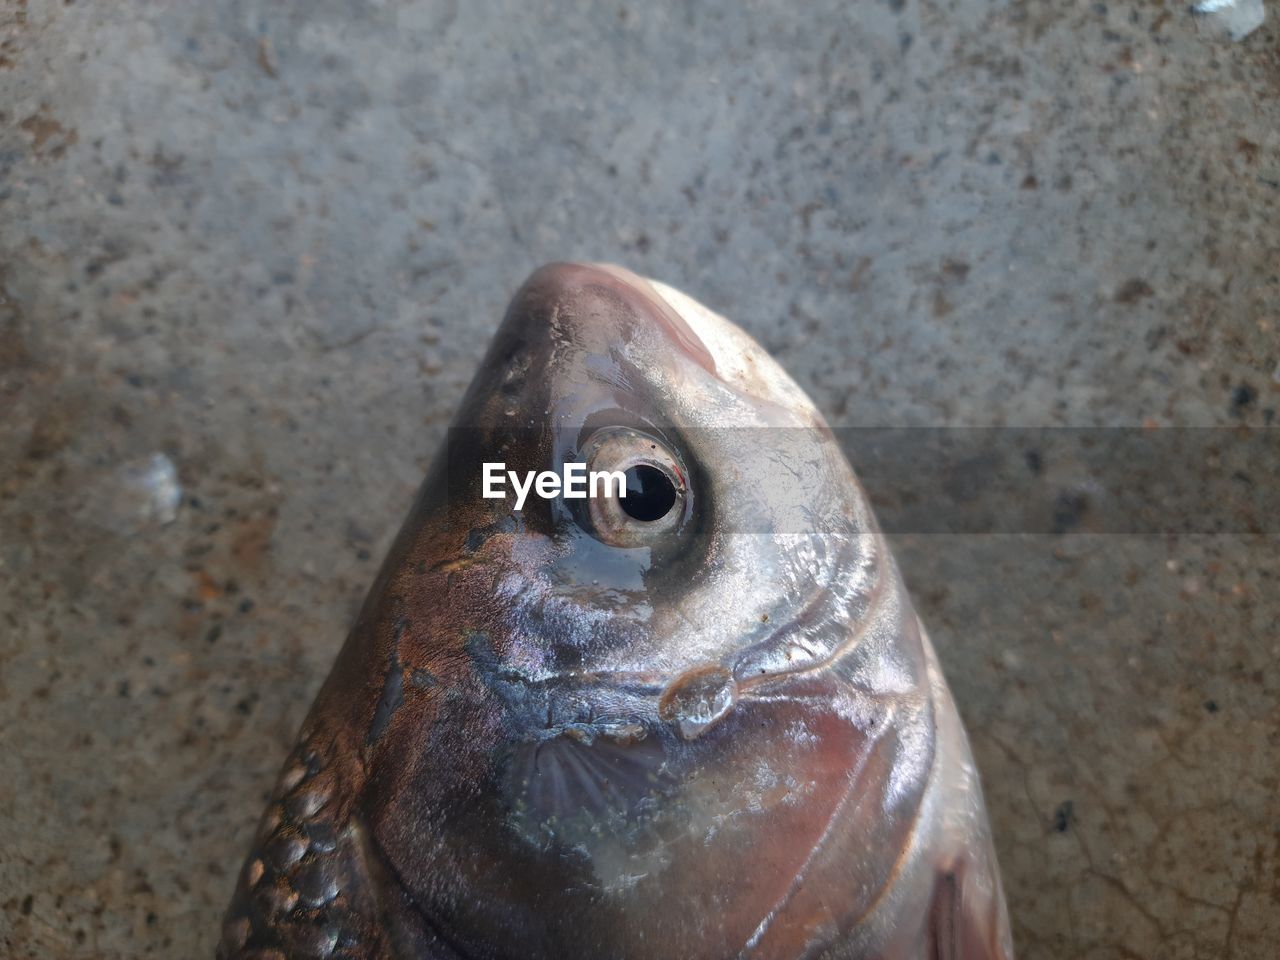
{"x": 606, "y": 304}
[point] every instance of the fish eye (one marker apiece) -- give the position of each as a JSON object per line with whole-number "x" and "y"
{"x": 655, "y": 496}
{"x": 650, "y": 493}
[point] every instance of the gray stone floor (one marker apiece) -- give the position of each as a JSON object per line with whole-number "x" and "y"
{"x": 267, "y": 241}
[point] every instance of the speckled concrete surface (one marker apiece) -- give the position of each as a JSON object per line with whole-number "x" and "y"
{"x": 268, "y": 242}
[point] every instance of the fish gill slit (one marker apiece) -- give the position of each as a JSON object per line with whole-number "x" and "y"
{"x": 382, "y": 875}
{"x": 912, "y": 835}
{"x": 875, "y": 600}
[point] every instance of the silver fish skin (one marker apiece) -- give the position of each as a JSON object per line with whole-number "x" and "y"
{"x": 700, "y": 720}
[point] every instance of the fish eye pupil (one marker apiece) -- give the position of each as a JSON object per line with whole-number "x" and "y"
{"x": 650, "y": 493}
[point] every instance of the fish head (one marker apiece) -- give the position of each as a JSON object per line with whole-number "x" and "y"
{"x": 691, "y": 719}
{"x": 741, "y": 507}
{"x": 628, "y": 695}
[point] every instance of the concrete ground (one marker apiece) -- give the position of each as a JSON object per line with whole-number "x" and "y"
{"x": 264, "y": 244}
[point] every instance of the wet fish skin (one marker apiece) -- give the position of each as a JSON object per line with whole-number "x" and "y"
{"x": 559, "y": 733}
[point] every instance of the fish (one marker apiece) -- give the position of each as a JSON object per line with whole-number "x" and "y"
{"x": 695, "y": 715}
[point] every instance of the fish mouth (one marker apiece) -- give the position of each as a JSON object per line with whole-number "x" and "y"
{"x": 585, "y": 754}
{"x": 596, "y": 755}
{"x": 592, "y": 752}
{"x": 624, "y": 707}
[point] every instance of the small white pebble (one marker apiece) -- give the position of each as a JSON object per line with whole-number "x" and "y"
{"x": 1235, "y": 18}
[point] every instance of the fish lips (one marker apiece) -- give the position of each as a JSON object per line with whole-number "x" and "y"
{"x": 577, "y": 745}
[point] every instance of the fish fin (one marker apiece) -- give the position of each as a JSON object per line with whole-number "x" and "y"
{"x": 966, "y": 919}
